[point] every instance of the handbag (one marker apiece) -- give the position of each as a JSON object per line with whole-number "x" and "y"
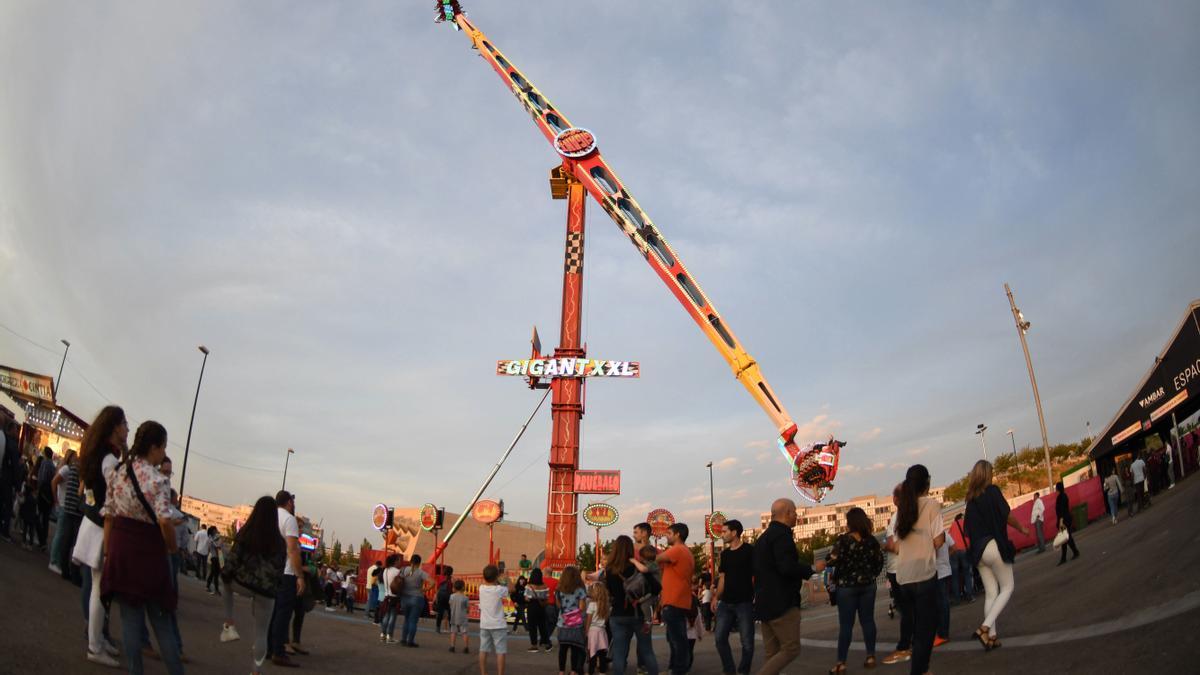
{"x": 1061, "y": 538}
{"x": 572, "y": 636}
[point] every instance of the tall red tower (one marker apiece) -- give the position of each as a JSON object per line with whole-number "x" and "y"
{"x": 567, "y": 395}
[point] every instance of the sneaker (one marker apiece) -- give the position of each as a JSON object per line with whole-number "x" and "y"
{"x": 898, "y": 656}
{"x": 284, "y": 662}
{"x": 938, "y": 641}
{"x": 390, "y": 641}
{"x": 382, "y": 637}
{"x": 229, "y": 633}
{"x": 546, "y": 649}
{"x": 532, "y": 650}
{"x": 110, "y": 648}
{"x": 56, "y": 569}
{"x": 103, "y": 659}
{"x": 452, "y": 650}
{"x": 297, "y": 649}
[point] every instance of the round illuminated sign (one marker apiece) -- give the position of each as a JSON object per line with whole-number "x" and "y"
{"x": 660, "y": 520}
{"x": 488, "y": 511}
{"x": 600, "y": 514}
{"x": 379, "y": 517}
{"x": 428, "y": 517}
{"x": 716, "y": 524}
{"x": 574, "y": 143}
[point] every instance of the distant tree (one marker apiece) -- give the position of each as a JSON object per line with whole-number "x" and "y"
{"x": 956, "y": 491}
{"x": 585, "y": 557}
{"x": 335, "y": 558}
{"x": 366, "y": 545}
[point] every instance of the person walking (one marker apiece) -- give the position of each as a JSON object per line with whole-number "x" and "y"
{"x": 291, "y": 586}
{"x": 350, "y": 590}
{"x": 1112, "y": 492}
{"x": 857, "y": 559}
{"x": 571, "y": 597}
{"x": 988, "y": 519}
{"x": 140, "y": 533}
{"x": 60, "y": 486}
{"x": 536, "y": 593}
{"x": 778, "y": 575}
{"x": 1138, "y": 471}
{"x": 373, "y": 595}
{"x": 1062, "y": 511}
{"x": 390, "y": 606}
{"x": 625, "y": 617}
{"x": 202, "y": 542}
{"x": 459, "y": 606}
{"x": 442, "y": 600}
{"x": 734, "y": 599}
{"x": 677, "y": 565}
{"x": 919, "y": 533}
{"x": 1037, "y": 518}
{"x": 412, "y": 600}
{"x": 213, "y": 583}
{"x": 255, "y": 564}
{"x": 903, "y": 651}
{"x": 945, "y": 578}
{"x": 100, "y": 451}
{"x": 518, "y": 598}
{"x": 45, "y": 495}
{"x": 962, "y": 579}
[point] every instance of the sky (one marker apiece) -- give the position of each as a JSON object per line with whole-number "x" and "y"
{"x": 343, "y": 203}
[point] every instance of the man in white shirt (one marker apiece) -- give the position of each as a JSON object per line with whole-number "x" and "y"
{"x": 1036, "y": 518}
{"x": 1170, "y": 465}
{"x": 291, "y": 586}
{"x": 1138, "y": 469}
{"x": 202, "y": 546}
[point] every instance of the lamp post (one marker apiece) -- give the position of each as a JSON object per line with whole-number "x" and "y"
{"x": 1022, "y": 328}
{"x": 712, "y": 508}
{"x": 187, "y": 446}
{"x": 981, "y": 431}
{"x": 56, "y": 383}
{"x": 1013, "y": 438}
{"x": 288, "y": 459}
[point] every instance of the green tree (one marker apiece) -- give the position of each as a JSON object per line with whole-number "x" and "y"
{"x": 335, "y": 558}
{"x": 366, "y": 545}
{"x": 585, "y": 557}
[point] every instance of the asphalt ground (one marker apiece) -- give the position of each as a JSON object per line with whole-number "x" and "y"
{"x": 1129, "y": 604}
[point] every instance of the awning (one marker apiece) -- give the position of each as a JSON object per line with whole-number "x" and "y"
{"x": 1171, "y": 386}
{"x": 12, "y": 406}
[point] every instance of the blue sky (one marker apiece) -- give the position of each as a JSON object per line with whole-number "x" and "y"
{"x": 347, "y": 207}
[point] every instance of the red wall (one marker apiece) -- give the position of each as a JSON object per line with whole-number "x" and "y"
{"x": 1089, "y": 491}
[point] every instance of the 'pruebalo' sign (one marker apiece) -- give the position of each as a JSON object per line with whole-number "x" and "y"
{"x": 598, "y": 482}
{"x": 568, "y": 367}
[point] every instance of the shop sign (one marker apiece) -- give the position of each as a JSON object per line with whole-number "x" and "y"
{"x": 568, "y": 367}
{"x": 601, "y": 514}
{"x": 1129, "y": 431}
{"x": 715, "y": 524}
{"x": 659, "y": 520}
{"x": 602, "y": 482}
{"x": 488, "y": 511}
{"x": 1169, "y": 406}
{"x": 381, "y": 517}
{"x": 429, "y": 517}
{"x": 29, "y": 385}
{"x": 308, "y": 542}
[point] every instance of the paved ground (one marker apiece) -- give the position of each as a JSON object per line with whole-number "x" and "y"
{"x": 1128, "y": 605}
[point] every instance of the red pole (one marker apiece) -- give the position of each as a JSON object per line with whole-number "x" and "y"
{"x": 597, "y": 551}
{"x": 491, "y": 561}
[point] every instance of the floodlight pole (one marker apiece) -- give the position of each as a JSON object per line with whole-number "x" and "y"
{"x": 1022, "y": 326}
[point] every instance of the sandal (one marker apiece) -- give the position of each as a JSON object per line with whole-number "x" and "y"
{"x": 984, "y": 638}
{"x": 870, "y": 662}
{"x": 993, "y": 643}
{"x": 838, "y": 669}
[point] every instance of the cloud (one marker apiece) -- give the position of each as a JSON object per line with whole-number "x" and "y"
{"x": 753, "y": 445}
{"x": 747, "y": 472}
{"x": 916, "y": 452}
{"x": 762, "y": 457}
{"x": 726, "y": 463}
{"x": 819, "y": 428}
{"x": 869, "y": 435}
{"x": 696, "y": 499}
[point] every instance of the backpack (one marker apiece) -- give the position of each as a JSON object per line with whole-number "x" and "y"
{"x": 639, "y": 587}
{"x": 397, "y": 585}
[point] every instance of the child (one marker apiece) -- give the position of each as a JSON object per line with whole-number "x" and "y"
{"x": 571, "y": 598}
{"x": 695, "y": 628}
{"x": 493, "y": 626}
{"x": 597, "y": 633}
{"x": 29, "y": 514}
{"x": 459, "y": 605}
{"x": 647, "y": 555}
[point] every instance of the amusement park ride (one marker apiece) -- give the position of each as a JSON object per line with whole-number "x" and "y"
{"x": 584, "y": 171}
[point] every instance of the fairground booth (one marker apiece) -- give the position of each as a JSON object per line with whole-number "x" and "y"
{"x": 30, "y": 398}
{"x": 1159, "y": 409}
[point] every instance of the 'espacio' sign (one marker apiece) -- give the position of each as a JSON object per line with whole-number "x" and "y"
{"x": 568, "y": 367}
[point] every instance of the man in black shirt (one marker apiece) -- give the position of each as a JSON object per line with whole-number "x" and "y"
{"x": 778, "y": 574}
{"x": 735, "y": 598}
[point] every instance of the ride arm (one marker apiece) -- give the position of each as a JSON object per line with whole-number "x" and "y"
{"x": 603, "y": 185}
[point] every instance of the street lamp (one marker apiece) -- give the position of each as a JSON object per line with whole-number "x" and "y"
{"x": 187, "y": 446}
{"x": 712, "y": 508}
{"x": 980, "y": 431}
{"x": 290, "y": 452}
{"x": 1022, "y": 328}
{"x": 56, "y": 383}
{"x": 1013, "y": 438}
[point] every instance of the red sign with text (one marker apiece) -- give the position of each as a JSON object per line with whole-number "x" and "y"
{"x": 598, "y": 482}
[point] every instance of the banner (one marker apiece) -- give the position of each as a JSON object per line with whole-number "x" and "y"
{"x": 604, "y": 482}
{"x": 27, "y": 385}
{"x": 568, "y": 368}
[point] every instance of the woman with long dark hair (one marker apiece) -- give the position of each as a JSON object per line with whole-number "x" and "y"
{"x": 919, "y": 533}
{"x": 100, "y": 449}
{"x": 139, "y": 533}
{"x": 255, "y": 565}
{"x": 624, "y": 617}
{"x": 1062, "y": 511}
{"x": 536, "y": 596}
{"x": 857, "y": 560}
{"x": 988, "y": 518}
{"x": 214, "y": 560}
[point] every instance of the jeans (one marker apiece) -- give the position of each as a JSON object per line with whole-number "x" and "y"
{"x": 214, "y": 575}
{"x": 921, "y": 598}
{"x": 56, "y": 544}
{"x": 412, "y": 606}
{"x": 1112, "y": 504}
{"x": 855, "y": 601}
{"x": 387, "y": 626}
{"x": 95, "y": 611}
{"x": 281, "y": 615}
{"x": 624, "y": 629}
{"x": 743, "y": 614}
{"x": 133, "y": 633}
{"x": 201, "y": 565}
{"x": 675, "y": 622}
{"x": 906, "y": 614}
{"x": 964, "y": 575}
{"x": 781, "y": 641}
{"x": 1039, "y": 528}
{"x": 943, "y": 598}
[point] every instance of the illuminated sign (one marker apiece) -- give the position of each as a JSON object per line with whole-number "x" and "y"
{"x": 308, "y": 542}
{"x": 598, "y": 482}
{"x": 381, "y": 517}
{"x": 715, "y": 524}
{"x": 600, "y": 515}
{"x": 1129, "y": 431}
{"x": 25, "y": 384}
{"x": 429, "y": 517}
{"x": 660, "y": 520}
{"x": 574, "y": 143}
{"x": 488, "y": 511}
{"x": 568, "y": 367}
{"x": 1169, "y": 405}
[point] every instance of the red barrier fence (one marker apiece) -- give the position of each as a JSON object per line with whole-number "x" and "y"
{"x": 1089, "y": 491}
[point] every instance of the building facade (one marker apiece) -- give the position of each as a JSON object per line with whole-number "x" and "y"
{"x": 828, "y": 519}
